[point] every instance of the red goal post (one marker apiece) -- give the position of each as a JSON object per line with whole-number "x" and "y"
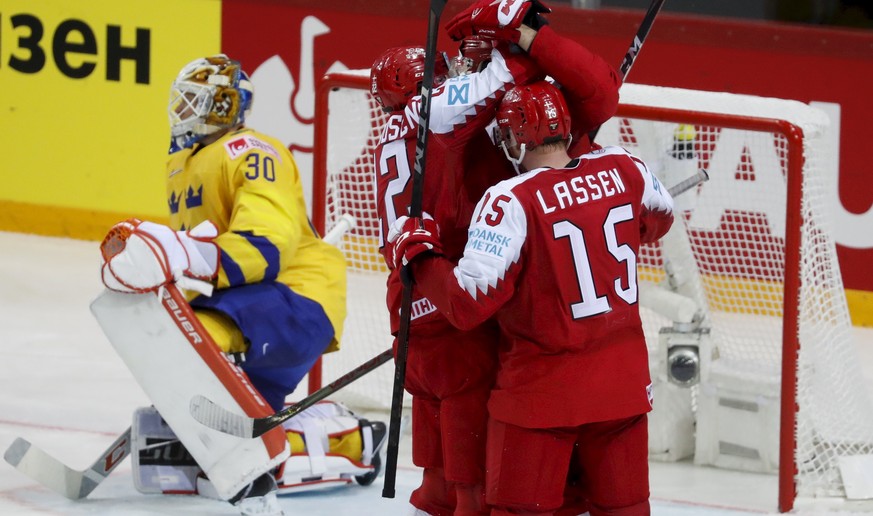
{"x": 750, "y": 250}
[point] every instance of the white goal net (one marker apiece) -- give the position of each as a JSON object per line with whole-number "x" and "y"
{"x": 749, "y": 264}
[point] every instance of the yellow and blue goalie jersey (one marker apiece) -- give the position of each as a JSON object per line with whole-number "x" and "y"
{"x": 248, "y": 185}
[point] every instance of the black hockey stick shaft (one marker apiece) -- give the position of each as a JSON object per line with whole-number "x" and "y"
{"x": 436, "y": 10}
{"x": 216, "y": 417}
{"x": 642, "y": 33}
{"x": 262, "y": 425}
{"x": 636, "y": 45}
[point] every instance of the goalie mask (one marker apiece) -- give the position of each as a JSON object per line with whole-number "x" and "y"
{"x": 209, "y": 94}
{"x": 397, "y": 75}
{"x": 529, "y": 116}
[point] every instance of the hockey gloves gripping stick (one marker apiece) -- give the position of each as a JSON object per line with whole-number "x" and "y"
{"x": 410, "y": 237}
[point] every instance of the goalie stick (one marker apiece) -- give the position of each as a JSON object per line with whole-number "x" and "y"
{"x": 57, "y": 476}
{"x": 208, "y": 413}
{"x": 430, "y": 51}
{"x": 636, "y": 45}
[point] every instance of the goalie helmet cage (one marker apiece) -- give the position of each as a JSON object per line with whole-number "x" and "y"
{"x": 767, "y": 273}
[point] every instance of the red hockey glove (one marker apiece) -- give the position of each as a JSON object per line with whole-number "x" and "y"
{"x": 410, "y": 237}
{"x": 496, "y": 19}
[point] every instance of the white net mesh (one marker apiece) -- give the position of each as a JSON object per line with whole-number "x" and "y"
{"x": 732, "y": 245}
{"x": 726, "y": 252}
{"x": 352, "y": 136}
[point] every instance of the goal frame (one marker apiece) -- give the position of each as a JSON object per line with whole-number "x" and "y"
{"x": 792, "y": 133}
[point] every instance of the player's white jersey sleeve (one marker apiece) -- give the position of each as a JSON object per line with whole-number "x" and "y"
{"x": 656, "y": 213}
{"x": 496, "y": 236}
{"x": 460, "y": 98}
{"x": 655, "y": 196}
{"x": 485, "y": 277}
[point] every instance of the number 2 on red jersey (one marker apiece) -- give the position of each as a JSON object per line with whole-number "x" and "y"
{"x": 393, "y": 165}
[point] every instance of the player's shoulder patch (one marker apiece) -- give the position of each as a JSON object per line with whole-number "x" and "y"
{"x": 243, "y": 143}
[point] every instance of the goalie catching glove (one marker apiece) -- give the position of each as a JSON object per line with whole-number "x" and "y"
{"x": 410, "y": 237}
{"x": 141, "y": 257}
{"x": 498, "y": 20}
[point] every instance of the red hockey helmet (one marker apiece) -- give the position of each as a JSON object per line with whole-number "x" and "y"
{"x": 472, "y": 54}
{"x": 534, "y": 114}
{"x": 397, "y": 74}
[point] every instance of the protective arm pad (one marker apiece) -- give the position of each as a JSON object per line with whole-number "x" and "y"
{"x": 483, "y": 280}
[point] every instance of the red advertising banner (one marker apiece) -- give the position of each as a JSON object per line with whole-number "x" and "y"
{"x": 287, "y": 44}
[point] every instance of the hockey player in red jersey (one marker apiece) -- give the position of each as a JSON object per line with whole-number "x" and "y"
{"x": 449, "y": 378}
{"x": 450, "y": 372}
{"x": 552, "y": 255}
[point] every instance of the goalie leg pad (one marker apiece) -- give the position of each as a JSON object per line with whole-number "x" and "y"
{"x": 287, "y": 332}
{"x": 330, "y": 445}
{"x": 173, "y": 358}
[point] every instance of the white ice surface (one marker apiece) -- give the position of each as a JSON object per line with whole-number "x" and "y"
{"x": 63, "y": 388}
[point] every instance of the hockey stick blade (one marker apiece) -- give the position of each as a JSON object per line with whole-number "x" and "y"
{"x": 210, "y": 414}
{"x": 57, "y": 476}
{"x": 216, "y": 417}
